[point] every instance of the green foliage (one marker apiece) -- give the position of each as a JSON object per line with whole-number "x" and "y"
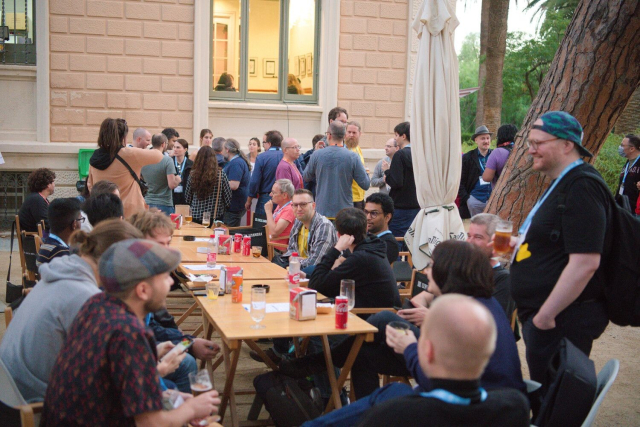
{"x": 468, "y": 75}
{"x": 609, "y": 163}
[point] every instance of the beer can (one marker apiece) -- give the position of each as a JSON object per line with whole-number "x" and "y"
{"x": 237, "y": 243}
{"x": 246, "y": 246}
{"x": 342, "y": 312}
{"x": 236, "y": 289}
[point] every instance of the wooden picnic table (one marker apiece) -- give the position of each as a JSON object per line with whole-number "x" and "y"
{"x": 190, "y": 253}
{"x": 233, "y": 322}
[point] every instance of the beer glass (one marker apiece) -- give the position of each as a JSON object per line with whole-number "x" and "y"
{"x": 188, "y": 217}
{"x": 502, "y": 238}
{"x": 258, "y": 306}
{"x": 200, "y": 382}
{"x": 348, "y": 289}
{"x": 206, "y": 219}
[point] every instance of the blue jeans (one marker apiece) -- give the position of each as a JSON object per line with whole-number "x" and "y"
{"x": 402, "y": 220}
{"x": 181, "y": 375}
{"x": 262, "y": 199}
{"x": 232, "y": 219}
{"x": 350, "y": 415}
{"x": 166, "y": 209}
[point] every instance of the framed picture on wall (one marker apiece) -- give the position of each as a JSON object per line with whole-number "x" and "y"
{"x": 253, "y": 72}
{"x": 269, "y": 68}
{"x": 303, "y": 65}
{"x": 309, "y": 64}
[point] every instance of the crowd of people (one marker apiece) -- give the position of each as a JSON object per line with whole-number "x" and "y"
{"x": 90, "y": 339}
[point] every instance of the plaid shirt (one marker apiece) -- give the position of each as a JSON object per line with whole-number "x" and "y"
{"x": 198, "y": 207}
{"x": 322, "y": 237}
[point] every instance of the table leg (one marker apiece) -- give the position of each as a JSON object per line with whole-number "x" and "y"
{"x": 335, "y": 391}
{"x": 230, "y": 363}
{"x": 186, "y": 314}
{"x": 351, "y": 358}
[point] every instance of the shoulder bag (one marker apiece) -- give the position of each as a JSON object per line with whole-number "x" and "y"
{"x": 144, "y": 188}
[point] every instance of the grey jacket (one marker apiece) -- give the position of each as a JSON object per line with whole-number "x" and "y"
{"x": 377, "y": 179}
{"x": 39, "y": 328}
{"x": 322, "y": 237}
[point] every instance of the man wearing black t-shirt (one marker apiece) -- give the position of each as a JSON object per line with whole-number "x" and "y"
{"x": 555, "y": 275}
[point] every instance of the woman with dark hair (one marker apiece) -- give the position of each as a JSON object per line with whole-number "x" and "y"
{"x": 115, "y": 162}
{"x": 254, "y": 150}
{"x": 183, "y": 168}
{"x": 630, "y": 175}
{"x": 238, "y": 170}
{"x": 41, "y": 184}
{"x": 206, "y": 137}
{"x": 207, "y": 187}
{"x": 498, "y": 157}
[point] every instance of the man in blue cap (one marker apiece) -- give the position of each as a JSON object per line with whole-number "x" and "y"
{"x": 555, "y": 276}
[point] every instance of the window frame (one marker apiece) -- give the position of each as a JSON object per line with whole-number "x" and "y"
{"x": 282, "y": 96}
{"x": 16, "y": 52}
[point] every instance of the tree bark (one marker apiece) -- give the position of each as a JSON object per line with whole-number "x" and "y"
{"x": 493, "y": 46}
{"x": 594, "y": 73}
{"x": 629, "y": 121}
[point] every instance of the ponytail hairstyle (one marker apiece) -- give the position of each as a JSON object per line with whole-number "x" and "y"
{"x": 234, "y": 148}
{"x": 105, "y": 234}
{"x": 113, "y": 133}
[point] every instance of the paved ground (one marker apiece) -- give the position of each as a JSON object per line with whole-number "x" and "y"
{"x": 620, "y": 407}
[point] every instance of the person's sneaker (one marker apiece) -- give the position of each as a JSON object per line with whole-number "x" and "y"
{"x": 270, "y": 354}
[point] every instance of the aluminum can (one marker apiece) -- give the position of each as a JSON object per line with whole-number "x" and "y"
{"x": 219, "y": 231}
{"x": 246, "y": 246}
{"x": 236, "y": 288}
{"x": 342, "y": 312}
{"x": 237, "y": 243}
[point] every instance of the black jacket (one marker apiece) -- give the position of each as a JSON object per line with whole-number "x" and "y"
{"x": 179, "y": 198}
{"x": 100, "y": 159}
{"x": 368, "y": 266}
{"x": 33, "y": 209}
{"x": 471, "y": 172}
{"x": 400, "y": 178}
{"x": 392, "y": 247}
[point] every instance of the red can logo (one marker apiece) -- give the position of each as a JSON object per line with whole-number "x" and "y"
{"x": 342, "y": 312}
{"x": 237, "y": 243}
{"x": 246, "y": 246}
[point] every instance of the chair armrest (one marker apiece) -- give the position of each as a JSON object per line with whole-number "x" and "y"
{"x": 372, "y": 310}
{"x": 28, "y": 412}
{"x": 278, "y": 245}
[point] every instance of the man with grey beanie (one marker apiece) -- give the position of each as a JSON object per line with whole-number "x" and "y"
{"x": 106, "y": 373}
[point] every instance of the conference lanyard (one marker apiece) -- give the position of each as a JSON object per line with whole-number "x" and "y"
{"x": 383, "y": 233}
{"x": 278, "y": 211}
{"x": 626, "y": 169}
{"x": 54, "y": 237}
{"x": 180, "y": 168}
{"x": 482, "y": 165}
{"x": 454, "y": 399}
{"x": 554, "y": 184}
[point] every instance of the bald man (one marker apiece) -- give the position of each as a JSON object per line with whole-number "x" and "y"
{"x": 287, "y": 168}
{"x": 377, "y": 179}
{"x": 457, "y": 339}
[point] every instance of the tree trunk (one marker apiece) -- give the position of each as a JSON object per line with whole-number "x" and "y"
{"x": 594, "y": 73}
{"x": 493, "y": 46}
{"x": 629, "y": 121}
{"x": 482, "y": 71}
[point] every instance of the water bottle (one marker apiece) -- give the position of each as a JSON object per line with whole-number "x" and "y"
{"x": 294, "y": 270}
{"x": 212, "y": 251}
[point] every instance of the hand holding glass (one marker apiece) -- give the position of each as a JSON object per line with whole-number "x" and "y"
{"x": 348, "y": 289}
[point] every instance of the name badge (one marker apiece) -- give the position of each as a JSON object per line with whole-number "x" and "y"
{"x": 621, "y": 190}
{"x": 483, "y": 182}
{"x": 178, "y": 189}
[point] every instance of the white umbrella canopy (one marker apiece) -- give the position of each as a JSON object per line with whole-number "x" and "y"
{"x": 435, "y": 132}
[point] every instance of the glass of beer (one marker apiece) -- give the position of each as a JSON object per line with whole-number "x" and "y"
{"x": 256, "y": 251}
{"x": 200, "y": 382}
{"x": 206, "y": 219}
{"x": 502, "y": 238}
{"x": 400, "y": 326}
{"x": 213, "y": 289}
{"x": 188, "y": 217}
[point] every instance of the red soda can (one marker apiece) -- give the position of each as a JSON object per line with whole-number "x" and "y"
{"x": 237, "y": 243}
{"x": 246, "y": 246}
{"x": 342, "y": 312}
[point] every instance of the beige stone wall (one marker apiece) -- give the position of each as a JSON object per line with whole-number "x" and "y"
{"x": 129, "y": 59}
{"x": 373, "y": 62}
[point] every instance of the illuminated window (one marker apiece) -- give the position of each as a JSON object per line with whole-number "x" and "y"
{"x": 17, "y": 29}
{"x": 264, "y": 50}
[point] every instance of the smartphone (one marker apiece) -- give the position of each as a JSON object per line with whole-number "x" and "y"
{"x": 405, "y": 305}
{"x": 181, "y": 347}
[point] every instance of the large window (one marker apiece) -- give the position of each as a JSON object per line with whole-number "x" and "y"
{"x": 265, "y": 50}
{"x": 17, "y": 43}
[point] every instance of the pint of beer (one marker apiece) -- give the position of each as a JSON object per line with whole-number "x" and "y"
{"x": 200, "y": 382}
{"x": 502, "y": 238}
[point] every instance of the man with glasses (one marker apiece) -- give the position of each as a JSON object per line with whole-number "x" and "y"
{"x": 287, "y": 168}
{"x": 555, "y": 277}
{"x": 379, "y": 210}
{"x": 377, "y": 179}
{"x": 312, "y": 234}
{"x": 64, "y": 219}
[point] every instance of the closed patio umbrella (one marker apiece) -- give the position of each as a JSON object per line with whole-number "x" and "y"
{"x": 435, "y": 131}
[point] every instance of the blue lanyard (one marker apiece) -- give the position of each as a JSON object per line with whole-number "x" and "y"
{"x": 497, "y": 265}
{"x": 383, "y": 233}
{"x": 482, "y": 165}
{"x": 454, "y": 399}
{"x": 527, "y": 222}
{"x": 175, "y": 161}
{"x": 279, "y": 211}
{"x": 627, "y": 167}
{"x": 54, "y": 237}
{"x": 274, "y": 149}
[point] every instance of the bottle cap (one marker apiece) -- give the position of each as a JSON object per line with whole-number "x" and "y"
{"x": 294, "y": 254}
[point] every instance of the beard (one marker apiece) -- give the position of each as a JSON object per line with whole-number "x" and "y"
{"x": 351, "y": 143}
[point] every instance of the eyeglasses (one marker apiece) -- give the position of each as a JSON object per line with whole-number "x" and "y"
{"x": 374, "y": 214}
{"x": 80, "y": 220}
{"x": 535, "y": 144}
{"x": 300, "y": 205}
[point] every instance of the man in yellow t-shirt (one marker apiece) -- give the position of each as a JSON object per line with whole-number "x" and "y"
{"x": 352, "y": 142}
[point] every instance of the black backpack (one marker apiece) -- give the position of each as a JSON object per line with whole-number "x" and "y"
{"x": 287, "y": 400}
{"x": 620, "y": 262}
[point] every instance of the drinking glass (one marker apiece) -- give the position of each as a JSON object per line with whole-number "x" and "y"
{"x": 213, "y": 289}
{"x": 348, "y": 289}
{"x": 502, "y": 237}
{"x": 188, "y": 217}
{"x": 258, "y": 306}
{"x": 256, "y": 251}
{"x": 400, "y": 326}
{"x": 206, "y": 219}
{"x": 200, "y": 382}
